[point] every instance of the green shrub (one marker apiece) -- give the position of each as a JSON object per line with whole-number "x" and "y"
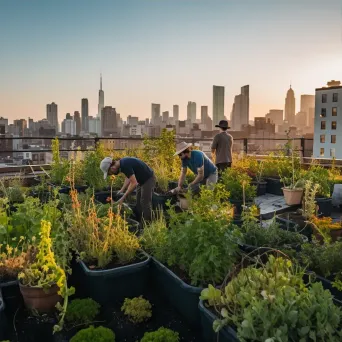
{"x": 272, "y": 301}
{"x": 91, "y": 334}
{"x": 161, "y": 335}
{"x": 82, "y": 311}
{"x": 137, "y": 309}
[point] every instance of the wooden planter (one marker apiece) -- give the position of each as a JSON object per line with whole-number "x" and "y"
{"x": 36, "y": 298}
{"x": 293, "y": 196}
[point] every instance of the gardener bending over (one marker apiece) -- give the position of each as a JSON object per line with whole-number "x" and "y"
{"x": 138, "y": 174}
{"x": 199, "y": 164}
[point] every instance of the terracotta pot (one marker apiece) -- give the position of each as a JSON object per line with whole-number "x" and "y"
{"x": 293, "y": 196}
{"x": 41, "y": 300}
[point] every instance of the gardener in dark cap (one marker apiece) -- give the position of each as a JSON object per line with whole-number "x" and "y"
{"x": 222, "y": 147}
{"x": 138, "y": 174}
{"x": 199, "y": 164}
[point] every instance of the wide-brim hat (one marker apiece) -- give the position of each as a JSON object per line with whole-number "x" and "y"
{"x": 181, "y": 147}
{"x": 223, "y": 124}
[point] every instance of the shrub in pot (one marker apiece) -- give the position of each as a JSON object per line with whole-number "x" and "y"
{"x": 272, "y": 300}
{"x": 239, "y": 185}
{"x": 43, "y": 283}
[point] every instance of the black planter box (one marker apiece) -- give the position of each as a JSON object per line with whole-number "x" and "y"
{"x": 105, "y": 286}
{"x": 290, "y": 225}
{"x": 324, "y": 206}
{"x": 226, "y": 334}
{"x": 183, "y": 297}
{"x": 260, "y": 187}
{"x": 159, "y": 201}
{"x": 3, "y": 318}
{"x": 11, "y": 296}
{"x": 274, "y": 186}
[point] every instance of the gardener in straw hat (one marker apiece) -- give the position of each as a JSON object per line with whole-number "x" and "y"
{"x": 199, "y": 164}
{"x": 138, "y": 174}
{"x": 222, "y": 147}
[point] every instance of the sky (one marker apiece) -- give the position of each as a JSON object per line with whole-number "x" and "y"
{"x": 164, "y": 51}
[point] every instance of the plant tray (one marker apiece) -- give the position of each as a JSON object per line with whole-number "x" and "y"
{"x": 227, "y": 334}
{"x": 106, "y": 286}
{"x": 183, "y": 297}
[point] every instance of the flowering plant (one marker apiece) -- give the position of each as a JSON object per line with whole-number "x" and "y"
{"x": 44, "y": 271}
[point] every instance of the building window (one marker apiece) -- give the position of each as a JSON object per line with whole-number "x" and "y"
{"x": 321, "y": 152}
{"x": 332, "y": 152}
{"x": 323, "y": 112}
{"x": 333, "y": 139}
{"x": 334, "y": 111}
{"x": 322, "y": 138}
{"x": 335, "y": 97}
{"x": 324, "y": 98}
{"x": 322, "y": 124}
{"x": 333, "y": 125}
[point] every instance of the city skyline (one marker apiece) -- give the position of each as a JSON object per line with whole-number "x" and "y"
{"x": 150, "y": 55}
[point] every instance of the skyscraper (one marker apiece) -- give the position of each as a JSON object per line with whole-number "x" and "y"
{"x": 191, "y": 112}
{"x": 85, "y": 115}
{"x": 240, "y": 110}
{"x": 109, "y": 125}
{"x": 52, "y": 115}
{"x": 175, "y": 113}
{"x": 101, "y": 99}
{"x": 204, "y": 114}
{"x": 218, "y": 104}
{"x": 307, "y": 104}
{"x": 290, "y": 107}
{"x": 21, "y": 126}
{"x": 155, "y": 114}
{"x": 77, "y": 119}
{"x": 166, "y": 117}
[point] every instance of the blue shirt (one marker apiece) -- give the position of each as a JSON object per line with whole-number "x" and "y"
{"x": 196, "y": 161}
{"x": 133, "y": 166}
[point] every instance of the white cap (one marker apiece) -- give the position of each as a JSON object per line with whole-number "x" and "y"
{"x": 105, "y": 165}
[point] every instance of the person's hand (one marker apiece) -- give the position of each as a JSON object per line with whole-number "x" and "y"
{"x": 120, "y": 201}
{"x": 175, "y": 190}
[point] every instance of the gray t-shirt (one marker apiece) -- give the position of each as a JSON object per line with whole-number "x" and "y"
{"x": 223, "y": 146}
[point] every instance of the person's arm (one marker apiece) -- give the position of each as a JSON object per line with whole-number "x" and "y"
{"x": 199, "y": 177}
{"x": 125, "y": 185}
{"x": 214, "y": 145}
{"x": 131, "y": 186}
{"x": 182, "y": 177}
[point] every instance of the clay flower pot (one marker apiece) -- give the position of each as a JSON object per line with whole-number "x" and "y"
{"x": 293, "y": 196}
{"x": 37, "y": 298}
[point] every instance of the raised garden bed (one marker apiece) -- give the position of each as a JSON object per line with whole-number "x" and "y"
{"x": 110, "y": 285}
{"x": 274, "y": 186}
{"x": 295, "y": 222}
{"x": 182, "y": 296}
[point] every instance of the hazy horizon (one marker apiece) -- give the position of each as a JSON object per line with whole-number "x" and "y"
{"x": 167, "y": 52}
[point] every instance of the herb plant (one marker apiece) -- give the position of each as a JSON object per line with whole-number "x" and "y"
{"x": 137, "y": 309}
{"x": 272, "y": 303}
{"x": 91, "y": 334}
{"x": 45, "y": 273}
{"x": 238, "y": 184}
{"x": 319, "y": 175}
{"x": 59, "y": 166}
{"x": 161, "y": 335}
{"x": 82, "y": 311}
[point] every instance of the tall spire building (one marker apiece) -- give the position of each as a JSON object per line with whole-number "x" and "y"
{"x": 290, "y": 107}
{"x": 101, "y": 99}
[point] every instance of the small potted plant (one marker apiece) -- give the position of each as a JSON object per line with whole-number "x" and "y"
{"x": 43, "y": 283}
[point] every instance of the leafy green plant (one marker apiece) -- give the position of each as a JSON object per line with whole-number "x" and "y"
{"x": 82, "y": 311}
{"x": 91, "y": 334}
{"x": 319, "y": 175}
{"x": 324, "y": 259}
{"x": 161, "y": 335}
{"x": 13, "y": 190}
{"x": 238, "y": 184}
{"x": 206, "y": 251}
{"x": 272, "y": 236}
{"x": 309, "y": 201}
{"x": 137, "y": 309}
{"x": 155, "y": 235}
{"x": 59, "y": 166}
{"x": 271, "y": 302}
{"x": 93, "y": 175}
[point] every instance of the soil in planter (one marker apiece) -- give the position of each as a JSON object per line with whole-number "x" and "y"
{"x": 115, "y": 264}
{"x": 29, "y": 328}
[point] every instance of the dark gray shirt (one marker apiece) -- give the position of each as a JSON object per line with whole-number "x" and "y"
{"x": 223, "y": 146}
